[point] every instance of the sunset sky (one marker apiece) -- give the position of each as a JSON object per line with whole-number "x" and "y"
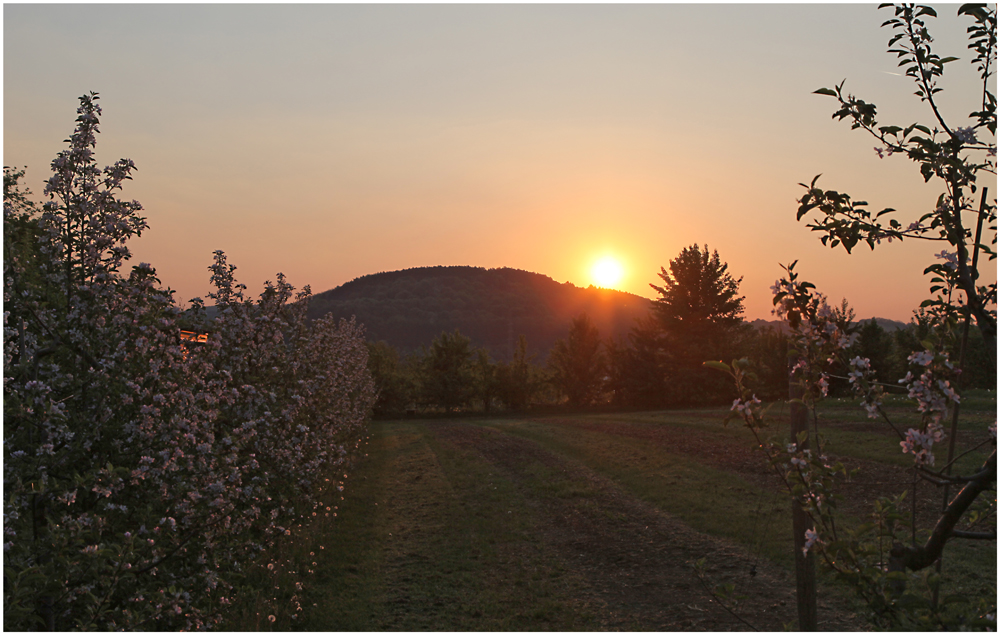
{"x": 333, "y": 141}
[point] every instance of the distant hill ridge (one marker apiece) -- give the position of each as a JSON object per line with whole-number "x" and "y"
{"x": 886, "y": 324}
{"x": 410, "y": 307}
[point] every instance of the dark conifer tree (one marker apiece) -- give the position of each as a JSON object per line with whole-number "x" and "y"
{"x": 578, "y": 364}
{"x": 700, "y": 313}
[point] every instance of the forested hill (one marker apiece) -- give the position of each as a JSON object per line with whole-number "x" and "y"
{"x": 492, "y": 307}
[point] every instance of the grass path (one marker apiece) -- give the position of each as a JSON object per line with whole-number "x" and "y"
{"x": 468, "y": 525}
{"x": 442, "y": 549}
{"x": 558, "y": 523}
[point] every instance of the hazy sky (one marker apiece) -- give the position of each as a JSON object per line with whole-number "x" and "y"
{"x": 332, "y": 141}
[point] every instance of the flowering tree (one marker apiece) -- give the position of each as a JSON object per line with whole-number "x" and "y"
{"x": 882, "y": 558}
{"x": 954, "y": 155}
{"x": 142, "y": 474}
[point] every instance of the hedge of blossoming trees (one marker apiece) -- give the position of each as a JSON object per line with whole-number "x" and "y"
{"x": 885, "y": 558}
{"x": 140, "y": 477}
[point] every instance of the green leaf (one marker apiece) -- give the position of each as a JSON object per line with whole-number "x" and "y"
{"x": 975, "y": 10}
{"x": 910, "y": 601}
{"x": 825, "y": 91}
{"x": 717, "y": 366}
{"x": 955, "y": 599}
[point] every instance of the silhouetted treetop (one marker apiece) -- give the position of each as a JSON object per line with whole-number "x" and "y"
{"x": 698, "y": 289}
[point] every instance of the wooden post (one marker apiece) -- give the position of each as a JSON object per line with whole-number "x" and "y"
{"x": 805, "y": 563}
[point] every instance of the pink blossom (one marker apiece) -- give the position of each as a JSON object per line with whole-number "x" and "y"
{"x": 811, "y": 538}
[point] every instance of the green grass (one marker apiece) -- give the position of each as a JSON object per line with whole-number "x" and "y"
{"x": 977, "y": 413}
{"x": 428, "y": 539}
{"x": 432, "y": 536}
{"x": 736, "y": 509}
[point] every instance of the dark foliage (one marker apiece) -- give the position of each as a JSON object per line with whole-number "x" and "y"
{"x": 578, "y": 364}
{"x": 767, "y": 349}
{"x": 447, "y": 378}
{"x": 700, "y": 316}
{"x": 519, "y": 381}
{"x": 394, "y": 383}
{"x": 638, "y": 368}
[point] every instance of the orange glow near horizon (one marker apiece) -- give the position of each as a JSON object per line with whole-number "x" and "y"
{"x": 544, "y": 138}
{"x": 607, "y": 272}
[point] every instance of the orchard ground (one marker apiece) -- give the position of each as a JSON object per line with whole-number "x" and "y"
{"x": 584, "y": 522}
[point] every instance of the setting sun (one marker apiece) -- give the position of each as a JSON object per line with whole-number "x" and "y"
{"x": 607, "y": 272}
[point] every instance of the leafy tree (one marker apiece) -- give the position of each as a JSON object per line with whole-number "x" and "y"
{"x": 639, "y": 368}
{"x": 517, "y": 382}
{"x": 21, "y": 231}
{"x": 577, "y": 362}
{"x": 447, "y": 371}
{"x": 980, "y": 368}
{"x": 617, "y": 358}
{"x": 699, "y": 295}
{"x": 767, "y": 350}
{"x": 888, "y": 559}
{"x": 842, "y": 316}
{"x": 876, "y": 346}
{"x": 393, "y": 383}
{"x": 486, "y": 383}
{"x": 906, "y": 341}
{"x": 699, "y": 311}
{"x": 952, "y": 154}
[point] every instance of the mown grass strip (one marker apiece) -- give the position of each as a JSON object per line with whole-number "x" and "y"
{"x": 721, "y": 504}
{"x": 709, "y": 500}
{"x": 430, "y": 537}
{"x": 978, "y": 412}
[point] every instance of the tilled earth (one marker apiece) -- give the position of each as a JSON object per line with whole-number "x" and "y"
{"x": 636, "y": 561}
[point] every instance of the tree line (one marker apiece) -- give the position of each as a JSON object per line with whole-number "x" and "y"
{"x": 659, "y": 364}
